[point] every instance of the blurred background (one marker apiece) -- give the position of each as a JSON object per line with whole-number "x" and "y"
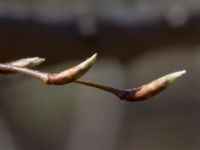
{"x": 136, "y": 40}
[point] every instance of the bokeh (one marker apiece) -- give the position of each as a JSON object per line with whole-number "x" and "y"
{"x": 136, "y": 41}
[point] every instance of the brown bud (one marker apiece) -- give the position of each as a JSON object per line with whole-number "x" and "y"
{"x": 71, "y": 74}
{"x": 148, "y": 90}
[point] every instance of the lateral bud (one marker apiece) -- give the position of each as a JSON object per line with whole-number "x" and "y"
{"x": 71, "y": 74}
{"x": 23, "y": 63}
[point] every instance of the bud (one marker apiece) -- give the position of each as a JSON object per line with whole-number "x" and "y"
{"x": 28, "y": 62}
{"x": 148, "y": 90}
{"x": 71, "y": 74}
{"x": 24, "y": 62}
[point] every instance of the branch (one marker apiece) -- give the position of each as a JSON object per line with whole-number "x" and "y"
{"x": 24, "y": 62}
{"x": 63, "y": 77}
{"x": 141, "y": 93}
{"x": 71, "y": 75}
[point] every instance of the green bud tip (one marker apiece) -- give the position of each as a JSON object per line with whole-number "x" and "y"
{"x": 172, "y": 77}
{"x": 35, "y": 61}
{"x": 89, "y": 62}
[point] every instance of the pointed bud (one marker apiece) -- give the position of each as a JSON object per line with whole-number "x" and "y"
{"x": 71, "y": 74}
{"x": 174, "y": 76}
{"x": 28, "y": 62}
{"x": 23, "y": 63}
{"x": 153, "y": 88}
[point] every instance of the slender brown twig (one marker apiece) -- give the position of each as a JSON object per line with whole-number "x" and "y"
{"x": 63, "y": 77}
{"x": 140, "y": 93}
{"x": 71, "y": 75}
{"x": 24, "y": 62}
{"x": 112, "y": 90}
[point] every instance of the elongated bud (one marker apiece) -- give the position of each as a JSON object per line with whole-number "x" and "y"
{"x": 71, "y": 74}
{"x": 28, "y": 62}
{"x": 148, "y": 90}
{"x": 24, "y": 62}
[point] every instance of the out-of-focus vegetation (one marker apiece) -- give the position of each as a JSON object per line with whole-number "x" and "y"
{"x": 130, "y": 10}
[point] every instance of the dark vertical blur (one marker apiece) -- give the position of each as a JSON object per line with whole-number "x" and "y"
{"x": 137, "y": 41}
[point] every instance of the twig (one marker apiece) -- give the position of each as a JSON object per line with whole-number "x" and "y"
{"x": 63, "y": 77}
{"x": 140, "y": 93}
{"x": 112, "y": 90}
{"x": 24, "y": 62}
{"x": 71, "y": 75}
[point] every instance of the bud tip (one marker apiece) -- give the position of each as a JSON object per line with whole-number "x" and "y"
{"x": 174, "y": 76}
{"x": 35, "y": 61}
{"x": 89, "y": 62}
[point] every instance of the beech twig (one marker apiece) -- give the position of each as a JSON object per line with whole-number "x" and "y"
{"x": 71, "y": 75}
{"x": 140, "y": 93}
{"x": 63, "y": 77}
{"x": 24, "y": 62}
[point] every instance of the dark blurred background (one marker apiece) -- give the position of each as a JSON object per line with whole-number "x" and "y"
{"x": 137, "y": 41}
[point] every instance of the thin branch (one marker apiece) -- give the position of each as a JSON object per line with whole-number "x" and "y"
{"x": 71, "y": 75}
{"x": 112, "y": 90}
{"x": 24, "y": 62}
{"x": 34, "y": 73}
{"x": 63, "y": 77}
{"x": 140, "y": 93}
